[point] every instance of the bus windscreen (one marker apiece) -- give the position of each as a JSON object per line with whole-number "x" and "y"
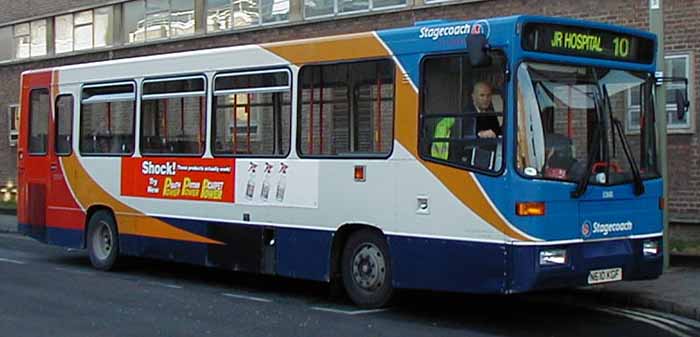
{"x": 587, "y": 42}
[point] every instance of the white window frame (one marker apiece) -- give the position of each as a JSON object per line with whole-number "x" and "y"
{"x": 688, "y": 126}
{"x": 336, "y": 11}
{"x": 685, "y": 128}
{"x": 13, "y": 134}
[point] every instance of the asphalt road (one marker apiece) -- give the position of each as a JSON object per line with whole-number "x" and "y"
{"x": 51, "y": 291}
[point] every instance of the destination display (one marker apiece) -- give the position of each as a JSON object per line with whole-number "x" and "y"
{"x": 587, "y": 42}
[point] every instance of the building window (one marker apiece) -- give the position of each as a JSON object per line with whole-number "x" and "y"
{"x": 323, "y": 8}
{"x": 228, "y": 14}
{"x": 252, "y": 113}
{"x": 6, "y": 39}
{"x": 172, "y": 116}
{"x": 30, "y": 39}
{"x": 83, "y": 30}
{"x": 346, "y": 109}
{"x": 152, "y": 20}
{"x": 107, "y": 119}
{"x": 13, "y": 122}
{"x": 676, "y": 66}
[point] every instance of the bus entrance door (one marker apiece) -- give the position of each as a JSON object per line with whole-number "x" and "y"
{"x": 33, "y": 160}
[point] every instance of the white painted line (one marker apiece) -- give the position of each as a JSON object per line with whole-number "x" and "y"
{"x": 683, "y": 320}
{"x": 244, "y": 297}
{"x": 350, "y": 312}
{"x": 167, "y": 285}
{"x": 76, "y": 271}
{"x": 12, "y": 261}
{"x": 659, "y": 319}
{"x": 644, "y": 320}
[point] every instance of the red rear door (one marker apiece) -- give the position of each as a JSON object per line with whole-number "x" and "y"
{"x": 33, "y": 153}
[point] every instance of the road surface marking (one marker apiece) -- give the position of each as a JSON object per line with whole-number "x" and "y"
{"x": 645, "y": 320}
{"x": 167, "y": 285}
{"x": 667, "y": 321}
{"x": 12, "y": 261}
{"x": 76, "y": 271}
{"x": 350, "y": 312}
{"x": 245, "y": 297}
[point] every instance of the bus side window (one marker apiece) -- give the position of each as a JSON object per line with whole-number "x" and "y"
{"x": 107, "y": 119}
{"x": 173, "y": 116}
{"x": 462, "y": 112}
{"x": 251, "y": 113}
{"x": 346, "y": 109}
{"x": 64, "y": 125}
{"x": 39, "y": 106}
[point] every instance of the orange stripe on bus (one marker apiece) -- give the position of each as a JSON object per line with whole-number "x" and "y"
{"x": 344, "y": 47}
{"x": 131, "y": 221}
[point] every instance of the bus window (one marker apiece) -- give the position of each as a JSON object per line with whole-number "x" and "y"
{"x": 38, "y": 121}
{"x": 107, "y": 119}
{"x": 252, "y": 114}
{"x": 347, "y": 109}
{"x": 64, "y": 124}
{"x": 172, "y": 116}
{"x": 462, "y": 113}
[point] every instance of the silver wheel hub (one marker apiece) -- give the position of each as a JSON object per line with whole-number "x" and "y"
{"x": 368, "y": 267}
{"x": 102, "y": 240}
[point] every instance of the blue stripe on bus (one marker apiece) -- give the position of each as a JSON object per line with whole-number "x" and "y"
{"x": 70, "y": 238}
{"x": 417, "y": 263}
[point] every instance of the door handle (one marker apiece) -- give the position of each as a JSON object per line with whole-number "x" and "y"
{"x": 53, "y": 167}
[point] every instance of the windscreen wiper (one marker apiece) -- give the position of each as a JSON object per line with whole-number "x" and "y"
{"x": 617, "y": 126}
{"x": 582, "y": 185}
{"x": 638, "y": 184}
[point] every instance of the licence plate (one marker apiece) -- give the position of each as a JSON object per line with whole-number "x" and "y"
{"x": 604, "y": 275}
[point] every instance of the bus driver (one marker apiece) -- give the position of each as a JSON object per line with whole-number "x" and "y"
{"x": 486, "y": 126}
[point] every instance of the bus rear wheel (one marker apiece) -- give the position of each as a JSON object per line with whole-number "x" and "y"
{"x": 366, "y": 269}
{"x": 103, "y": 240}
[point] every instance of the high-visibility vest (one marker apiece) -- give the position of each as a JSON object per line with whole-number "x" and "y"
{"x": 441, "y": 150}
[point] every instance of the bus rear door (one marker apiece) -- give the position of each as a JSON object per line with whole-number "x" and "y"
{"x": 33, "y": 161}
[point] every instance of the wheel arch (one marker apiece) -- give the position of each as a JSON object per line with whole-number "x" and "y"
{"x": 340, "y": 237}
{"x": 88, "y": 215}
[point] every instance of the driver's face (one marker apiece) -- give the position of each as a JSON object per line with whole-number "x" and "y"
{"x": 482, "y": 97}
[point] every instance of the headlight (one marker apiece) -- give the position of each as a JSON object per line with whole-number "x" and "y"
{"x": 552, "y": 257}
{"x": 650, "y": 247}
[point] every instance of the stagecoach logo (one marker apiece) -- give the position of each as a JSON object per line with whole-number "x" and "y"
{"x": 605, "y": 228}
{"x": 434, "y": 33}
{"x": 586, "y": 229}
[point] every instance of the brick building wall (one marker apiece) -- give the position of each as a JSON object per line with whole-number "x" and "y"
{"x": 681, "y": 37}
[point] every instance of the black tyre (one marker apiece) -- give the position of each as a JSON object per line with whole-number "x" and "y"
{"x": 103, "y": 240}
{"x": 366, "y": 269}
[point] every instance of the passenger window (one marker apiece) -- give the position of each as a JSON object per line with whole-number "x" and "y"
{"x": 173, "y": 116}
{"x": 462, "y": 112}
{"x": 346, "y": 109}
{"x": 64, "y": 124}
{"x": 107, "y": 119}
{"x": 252, "y": 114}
{"x": 39, "y": 108}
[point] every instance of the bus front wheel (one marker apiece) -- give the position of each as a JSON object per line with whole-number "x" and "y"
{"x": 366, "y": 269}
{"x": 103, "y": 240}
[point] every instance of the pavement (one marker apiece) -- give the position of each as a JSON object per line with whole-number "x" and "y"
{"x": 677, "y": 291}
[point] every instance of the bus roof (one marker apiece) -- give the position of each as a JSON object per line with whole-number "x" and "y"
{"x": 422, "y": 37}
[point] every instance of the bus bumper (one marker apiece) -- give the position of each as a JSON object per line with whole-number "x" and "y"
{"x": 585, "y": 264}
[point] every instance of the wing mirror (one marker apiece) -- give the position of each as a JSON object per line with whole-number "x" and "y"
{"x": 678, "y": 87}
{"x": 477, "y": 47}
